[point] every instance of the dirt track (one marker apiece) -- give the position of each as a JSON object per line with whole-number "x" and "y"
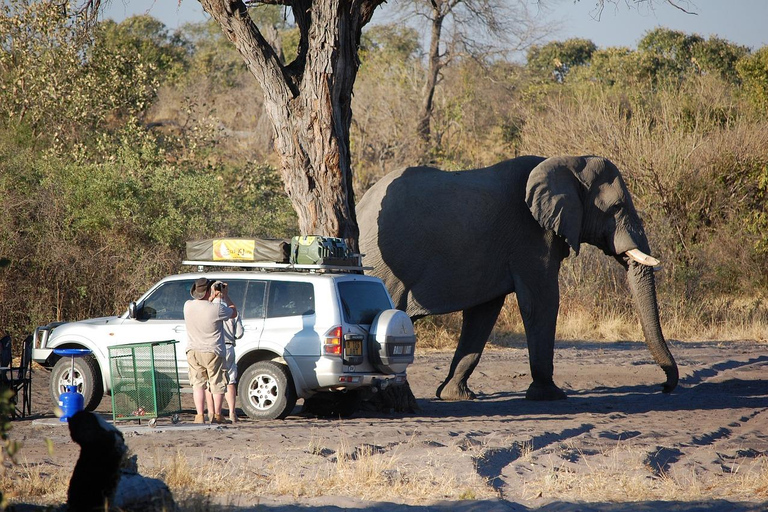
{"x": 615, "y": 435}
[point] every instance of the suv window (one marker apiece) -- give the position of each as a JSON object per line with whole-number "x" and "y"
{"x": 252, "y": 302}
{"x": 288, "y": 298}
{"x": 167, "y": 302}
{"x": 362, "y": 301}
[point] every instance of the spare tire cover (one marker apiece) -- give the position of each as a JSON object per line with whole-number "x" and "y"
{"x": 392, "y": 341}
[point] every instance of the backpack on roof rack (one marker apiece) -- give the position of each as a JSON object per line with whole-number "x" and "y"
{"x": 321, "y": 250}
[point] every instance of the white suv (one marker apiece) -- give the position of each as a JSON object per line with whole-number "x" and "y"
{"x": 306, "y": 332}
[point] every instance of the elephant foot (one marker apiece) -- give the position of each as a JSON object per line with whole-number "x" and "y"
{"x": 454, "y": 392}
{"x": 544, "y": 392}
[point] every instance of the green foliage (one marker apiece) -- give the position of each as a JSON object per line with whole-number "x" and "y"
{"x": 138, "y": 41}
{"x": 617, "y": 66}
{"x": 663, "y": 56}
{"x": 718, "y": 57}
{"x": 390, "y": 42}
{"x": 753, "y": 71}
{"x": 96, "y": 206}
{"x": 675, "y": 54}
{"x": 756, "y": 209}
{"x": 212, "y": 55}
{"x": 388, "y": 55}
{"x": 557, "y": 58}
{"x": 85, "y": 238}
{"x": 57, "y": 82}
{"x": 673, "y": 47}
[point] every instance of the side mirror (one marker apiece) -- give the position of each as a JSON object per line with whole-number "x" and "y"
{"x": 132, "y": 310}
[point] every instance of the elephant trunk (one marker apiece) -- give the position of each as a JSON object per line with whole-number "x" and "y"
{"x": 643, "y": 288}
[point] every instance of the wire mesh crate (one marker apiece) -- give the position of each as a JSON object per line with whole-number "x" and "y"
{"x": 145, "y": 381}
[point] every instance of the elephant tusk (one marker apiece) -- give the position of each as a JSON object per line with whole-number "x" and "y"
{"x": 643, "y": 259}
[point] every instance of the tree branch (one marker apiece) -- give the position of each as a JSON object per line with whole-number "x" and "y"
{"x": 674, "y": 4}
{"x": 600, "y": 5}
{"x": 259, "y": 56}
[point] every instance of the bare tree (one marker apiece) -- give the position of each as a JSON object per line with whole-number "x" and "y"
{"x": 474, "y": 28}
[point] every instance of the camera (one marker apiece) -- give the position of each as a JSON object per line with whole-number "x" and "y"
{"x": 218, "y": 286}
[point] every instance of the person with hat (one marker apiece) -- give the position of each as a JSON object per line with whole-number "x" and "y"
{"x": 204, "y": 317}
{"x": 233, "y": 331}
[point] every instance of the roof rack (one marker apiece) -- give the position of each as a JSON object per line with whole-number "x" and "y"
{"x": 279, "y": 267}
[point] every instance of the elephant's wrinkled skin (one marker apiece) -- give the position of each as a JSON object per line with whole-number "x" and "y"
{"x": 451, "y": 241}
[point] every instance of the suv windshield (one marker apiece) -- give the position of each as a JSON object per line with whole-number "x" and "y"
{"x": 167, "y": 302}
{"x": 362, "y": 301}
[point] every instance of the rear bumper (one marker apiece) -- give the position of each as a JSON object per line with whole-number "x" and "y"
{"x": 350, "y": 381}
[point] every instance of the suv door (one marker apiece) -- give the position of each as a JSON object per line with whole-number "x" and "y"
{"x": 248, "y": 297}
{"x": 289, "y": 327}
{"x": 160, "y": 317}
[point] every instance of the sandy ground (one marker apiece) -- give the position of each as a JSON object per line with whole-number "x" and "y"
{"x": 615, "y": 433}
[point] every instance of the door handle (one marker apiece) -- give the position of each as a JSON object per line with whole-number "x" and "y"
{"x": 180, "y": 328}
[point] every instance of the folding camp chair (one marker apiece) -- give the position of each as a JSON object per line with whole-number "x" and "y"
{"x": 18, "y": 378}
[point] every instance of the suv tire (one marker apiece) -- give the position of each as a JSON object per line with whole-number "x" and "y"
{"x": 266, "y": 391}
{"x": 87, "y": 378}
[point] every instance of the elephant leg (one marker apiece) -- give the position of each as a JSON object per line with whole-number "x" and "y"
{"x": 476, "y": 326}
{"x": 539, "y": 313}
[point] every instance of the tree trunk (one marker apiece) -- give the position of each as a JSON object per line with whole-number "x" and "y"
{"x": 309, "y": 103}
{"x": 433, "y": 73}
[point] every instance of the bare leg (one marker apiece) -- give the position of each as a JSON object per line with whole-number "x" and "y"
{"x": 198, "y": 395}
{"x": 218, "y": 400}
{"x": 231, "y": 397}
{"x": 209, "y": 403}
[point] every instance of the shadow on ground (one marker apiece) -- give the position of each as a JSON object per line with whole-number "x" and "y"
{"x": 503, "y": 506}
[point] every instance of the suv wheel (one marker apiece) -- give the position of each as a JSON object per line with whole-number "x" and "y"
{"x": 87, "y": 378}
{"x": 266, "y": 391}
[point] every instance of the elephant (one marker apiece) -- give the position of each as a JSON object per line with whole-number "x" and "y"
{"x": 462, "y": 241}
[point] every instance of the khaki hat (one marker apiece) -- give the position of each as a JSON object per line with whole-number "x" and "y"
{"x": 199, "y": 288}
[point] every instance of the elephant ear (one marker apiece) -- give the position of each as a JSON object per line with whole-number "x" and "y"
{"x": 554, "y": 196}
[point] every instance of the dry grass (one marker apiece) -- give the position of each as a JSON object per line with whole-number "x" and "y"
{"x": 362, "y": 472}
{"x": 717, "y": 319}
{"x": 35, "y": 483}
{"x": 619, "y": 474}
{"x": 622, "y": 474}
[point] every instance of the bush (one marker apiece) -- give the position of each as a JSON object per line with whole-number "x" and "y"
{"x": 85, "y": 238}
{"x": 753, "y": 71}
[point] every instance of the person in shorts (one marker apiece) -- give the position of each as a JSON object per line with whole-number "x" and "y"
{"x": 233, "y": 331}
{"x": 204, "y": 317}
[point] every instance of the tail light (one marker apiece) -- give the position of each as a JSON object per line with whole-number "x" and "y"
{"x": 332, "y": 342}
{"x": 349, "y": 346}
